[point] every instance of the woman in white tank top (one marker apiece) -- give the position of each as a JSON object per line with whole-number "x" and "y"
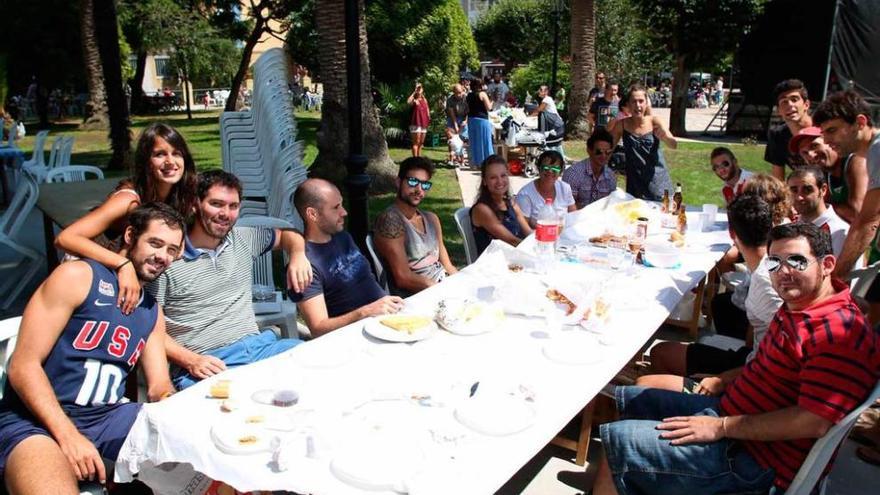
{"x": 163, "y": 171}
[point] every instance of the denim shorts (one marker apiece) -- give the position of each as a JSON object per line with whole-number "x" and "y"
{"x": 642, "y": 462}
{"x": 243, "y": 351}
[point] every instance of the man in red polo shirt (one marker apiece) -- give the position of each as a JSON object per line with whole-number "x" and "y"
{"x": 818, "y": 361}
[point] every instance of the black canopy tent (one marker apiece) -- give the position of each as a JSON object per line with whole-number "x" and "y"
{"x": 828, "y": 44}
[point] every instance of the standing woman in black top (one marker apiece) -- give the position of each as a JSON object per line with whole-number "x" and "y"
{"x": 479, "y": 128}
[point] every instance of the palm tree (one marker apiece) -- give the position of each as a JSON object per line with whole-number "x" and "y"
{"x": 583, "y": 65}
{"x": 107, "y": 34}
{"x": 333, "y": 133}
{"x": 95, "y": 110}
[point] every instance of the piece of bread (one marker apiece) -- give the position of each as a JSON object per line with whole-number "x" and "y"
{"x": 247, "y": 440}
{"x": 220, "y": 389}
{"x": 406, "y": 323}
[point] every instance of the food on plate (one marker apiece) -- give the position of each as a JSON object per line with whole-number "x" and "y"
{"x": 557, "y": 297}
{"x": 406, "y": 323}
{"x": 228, "y": 405}
{"x": 630, "y": 211}
{"x": 468, "y": 316}
{"x": 220, "y": 389}
{"x": 608, "y": 239}
{"x": 677, "y": 238}
{"x": 515, "y": 268}
{"x": 254, "y": 419}
{"x": 285, "y": 398}
{"x": 248, "y": 440}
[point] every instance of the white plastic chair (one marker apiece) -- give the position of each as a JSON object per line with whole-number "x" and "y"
{"x": 73, "y": 173}
{"x": 860, "y": 279}
{"x": 10, "y": 223}
{"x": 463, "y": 222}
{"x": 8, "y": 337}
{"x": 262, "y": 274}
{"x": 814, "y": 465}
{"x": 381, "y": 276}
{"x": 38, "y": 158}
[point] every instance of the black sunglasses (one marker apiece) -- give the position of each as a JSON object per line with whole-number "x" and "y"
{"x": 797, "y": 261}
{"x": 724, "y": 164}
{"x": 413, "y": 182}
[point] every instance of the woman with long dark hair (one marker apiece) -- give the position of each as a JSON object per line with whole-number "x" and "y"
{"x": 479, "y": 128}
{"x": 163, "y": 171}
{"x": 495, "y": 215}
{"x": 420, "y": 118}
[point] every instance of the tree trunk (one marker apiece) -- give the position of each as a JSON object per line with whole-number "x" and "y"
{"x": 107, "y": 34}
{"x": 238, "y": 80}
{"x": 187, "y": 87}
{"x": 137, "y": 83}
{"x": 583, "y": 66}
{"x": 333, "y": 132}
{"x": 95, "y": 109}
{"x": 681, "y": 78}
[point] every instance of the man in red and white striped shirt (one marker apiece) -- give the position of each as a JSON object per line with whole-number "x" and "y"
{"x": 818, "y": 361}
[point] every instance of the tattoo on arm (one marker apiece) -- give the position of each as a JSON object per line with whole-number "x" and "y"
{"x": 389, "y": 226}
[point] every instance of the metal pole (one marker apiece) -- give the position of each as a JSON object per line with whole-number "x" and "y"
{"x": 556, "y": 8}
{"x": 830, "y": 49}
{"x": 357, "y": 182}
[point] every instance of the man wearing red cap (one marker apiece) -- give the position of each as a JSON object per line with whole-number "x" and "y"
{"x": 847, "y": 174}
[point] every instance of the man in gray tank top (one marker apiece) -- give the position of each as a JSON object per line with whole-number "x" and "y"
{"x": 409, "y": 240}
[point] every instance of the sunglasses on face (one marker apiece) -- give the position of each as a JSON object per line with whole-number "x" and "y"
{"x": 798, "y": 262}
{"x": 605, "y": 153}
{"x": 724, "y": 164}
{"x": 413, "y": 182}
{"x": 551, "y": 168}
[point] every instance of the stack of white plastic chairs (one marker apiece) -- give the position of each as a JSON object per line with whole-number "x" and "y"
{"x": 260, "y": 147}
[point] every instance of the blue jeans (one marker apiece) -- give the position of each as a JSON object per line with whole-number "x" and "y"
{"x": 642, "y": 462}
{"x": 243, "y": 351}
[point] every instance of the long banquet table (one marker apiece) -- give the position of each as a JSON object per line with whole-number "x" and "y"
{"x": 357, "y": 392}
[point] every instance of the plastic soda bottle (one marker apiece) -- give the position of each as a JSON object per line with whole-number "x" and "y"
{"x": 546, "y": 235}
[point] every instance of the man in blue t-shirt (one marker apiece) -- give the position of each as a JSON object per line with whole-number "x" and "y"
{"x": 62, "y": 413}
{"x": 343, "y": 289}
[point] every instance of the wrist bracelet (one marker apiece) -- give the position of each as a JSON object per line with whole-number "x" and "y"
{"x": 724, "y": 426}
{"x": 122, "y": 264}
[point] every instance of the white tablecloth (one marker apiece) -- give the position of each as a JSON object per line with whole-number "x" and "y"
{"x": 337, "y": 375}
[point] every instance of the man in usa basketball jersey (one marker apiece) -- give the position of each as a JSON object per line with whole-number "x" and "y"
{"x": 62, "y": 410}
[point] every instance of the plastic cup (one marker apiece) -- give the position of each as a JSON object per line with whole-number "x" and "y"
{"x": 712, "y": 210}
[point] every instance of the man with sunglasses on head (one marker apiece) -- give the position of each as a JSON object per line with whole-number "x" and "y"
{"x": 818, "y": 361}
{"x": 592, "y": 179}
{"x": 408, "y": 239}
{"x": 726, "y": 167}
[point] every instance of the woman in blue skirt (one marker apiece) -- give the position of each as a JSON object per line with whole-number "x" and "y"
{"x": 480, "y": 129}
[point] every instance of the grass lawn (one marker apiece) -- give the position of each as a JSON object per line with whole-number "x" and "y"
{"x": 688, "y": 164}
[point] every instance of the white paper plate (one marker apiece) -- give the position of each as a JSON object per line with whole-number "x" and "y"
{"x": 573, "y": 347}
{"x": 495, "y": 414}
{"x": 491, "y": 317}
{"x": 376, "y": 329}
{"x": 227, "y": 433}
{"x": 377, "y": 461}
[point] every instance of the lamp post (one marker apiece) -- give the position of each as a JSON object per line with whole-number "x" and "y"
{"x": 357, "y": 182}
{"x": 557, "y": 6}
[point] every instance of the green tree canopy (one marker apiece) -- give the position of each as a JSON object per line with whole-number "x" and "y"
{"x": 520, "y": 31}
{"x": 411, "y": 39}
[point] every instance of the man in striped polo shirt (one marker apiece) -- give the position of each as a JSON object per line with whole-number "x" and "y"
{"x": 206, "y": 295}
{"x": 818, "y": 361}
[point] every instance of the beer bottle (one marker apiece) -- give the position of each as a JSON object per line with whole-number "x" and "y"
{"x": 682, "y": 219}
{"x": 664, "y": 203}
{"x": 676, "y": 198}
